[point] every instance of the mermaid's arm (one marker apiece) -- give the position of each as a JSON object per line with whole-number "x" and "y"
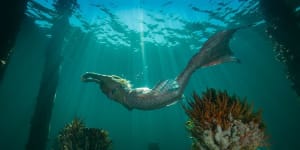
{"x": 90, "y": 80}
{"x": 90, "y": 77}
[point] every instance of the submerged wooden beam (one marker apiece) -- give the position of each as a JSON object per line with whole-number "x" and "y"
{"x": 40, "y": 123}
{"x": 11, "y": 14}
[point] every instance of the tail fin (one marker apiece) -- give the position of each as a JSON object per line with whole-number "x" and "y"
{"x": 215, "y": 50}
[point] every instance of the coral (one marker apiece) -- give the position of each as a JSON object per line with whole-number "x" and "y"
{"x": 219, "y": 121}
{"x": 75, "y": 136}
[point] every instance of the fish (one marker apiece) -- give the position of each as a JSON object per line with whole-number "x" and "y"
{"x": 214, "y": 51}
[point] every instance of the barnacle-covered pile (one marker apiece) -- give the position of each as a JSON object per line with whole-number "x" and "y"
{"x": 222, "y": 122}
{"x": 283, "y": 27}
{"x": 75, "y": 136}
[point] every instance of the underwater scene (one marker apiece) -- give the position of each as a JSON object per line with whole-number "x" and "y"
{"x": 150, "y": 75}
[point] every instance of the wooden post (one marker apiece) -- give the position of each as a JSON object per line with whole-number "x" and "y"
{"x": 283, "y": 26}
{"x": 11, "y": 14}
{"x": 40, "y": 122}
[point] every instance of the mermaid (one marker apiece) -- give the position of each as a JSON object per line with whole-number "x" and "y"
{"x": 214, "y": 51}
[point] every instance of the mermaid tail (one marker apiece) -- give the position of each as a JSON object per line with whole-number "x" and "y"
{"x": 215, "y": 51}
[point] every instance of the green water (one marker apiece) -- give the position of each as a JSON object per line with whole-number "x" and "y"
{"x": 145, "y": 42}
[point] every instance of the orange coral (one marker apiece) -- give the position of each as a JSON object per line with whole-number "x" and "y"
{"x": 216, "y": 107}
{"x": 220, "y": 121}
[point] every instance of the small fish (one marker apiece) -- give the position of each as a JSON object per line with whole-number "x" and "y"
{"x": 214, "y": 51}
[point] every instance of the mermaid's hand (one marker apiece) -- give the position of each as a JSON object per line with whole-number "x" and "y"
{"x": 94, "y": 77}
{"x": 87, "y": 77}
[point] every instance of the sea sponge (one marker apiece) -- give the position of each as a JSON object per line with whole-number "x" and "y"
{"x": 75, "y": 136}
{"x": 219, "y": 122}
